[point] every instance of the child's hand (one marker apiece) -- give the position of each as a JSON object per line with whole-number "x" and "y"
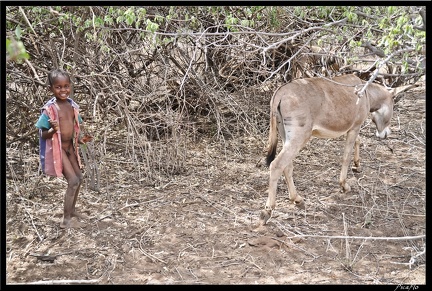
{"x": 54, "y": 124}
{"x": 86, "y": 138}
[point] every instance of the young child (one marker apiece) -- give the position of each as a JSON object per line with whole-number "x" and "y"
{"x": 59, "y": 135}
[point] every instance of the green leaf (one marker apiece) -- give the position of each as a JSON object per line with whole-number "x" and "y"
{"x": 151, "y": 26}
{"x": 245, "y": 22}
{"x": 99, "y": 22}
{"x": 15, "y": 50}
{"x": 159, "y": 18}
{"x": 130, "y": 16}
{"x": 88, "y": 23}
{"x": 18, "y": 32}
{"x": 108, "y": 19}
{"x": 352, "y": 43}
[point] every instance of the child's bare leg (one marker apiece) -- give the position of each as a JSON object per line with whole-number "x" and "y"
{"x": 68, "y": 201}
{"x": 74, "y": 212}
{"x": 73, "y": 176}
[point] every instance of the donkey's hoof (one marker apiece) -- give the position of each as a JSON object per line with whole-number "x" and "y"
{"x": 345, "y": 188}
{"x": 300, "y": 204}
{"x": 265, "y": 216}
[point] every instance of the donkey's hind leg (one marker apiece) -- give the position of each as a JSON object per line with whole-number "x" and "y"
{"x": 293, "y": 196}
{"x": 283, "y": 163}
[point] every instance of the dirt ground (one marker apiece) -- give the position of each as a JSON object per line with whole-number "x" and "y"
{"x": 200, "y": 228}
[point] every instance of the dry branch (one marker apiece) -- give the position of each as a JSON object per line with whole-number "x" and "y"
{"x": 359, "y": 237}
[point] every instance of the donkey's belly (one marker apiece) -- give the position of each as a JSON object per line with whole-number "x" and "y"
{"x": 322, "y": 132}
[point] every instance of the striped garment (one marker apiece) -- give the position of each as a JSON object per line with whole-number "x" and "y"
{"x": 50, "y": 151}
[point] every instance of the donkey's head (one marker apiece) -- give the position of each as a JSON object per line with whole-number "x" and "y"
{"x": 381, "y": 108}
{"x": 381, "y": 102}
{"x": 382, "y": 118}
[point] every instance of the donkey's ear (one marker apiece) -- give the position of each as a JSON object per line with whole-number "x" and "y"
{"x": 396, "y": 91}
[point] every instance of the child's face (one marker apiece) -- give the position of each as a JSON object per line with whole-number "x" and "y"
{"x": 61, "y": 88}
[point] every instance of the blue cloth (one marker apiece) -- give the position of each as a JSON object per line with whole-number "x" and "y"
{"x": 43, "y": 122}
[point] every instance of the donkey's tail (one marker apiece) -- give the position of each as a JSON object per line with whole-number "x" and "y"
{"x": 273, "y": 138}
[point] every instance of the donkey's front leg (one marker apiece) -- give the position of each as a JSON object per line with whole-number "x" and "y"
{"x": 356, "y": 166}
{"x": 350, "y": 139}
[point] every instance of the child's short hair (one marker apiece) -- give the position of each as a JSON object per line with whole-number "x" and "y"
{"x": 54, "y": 74}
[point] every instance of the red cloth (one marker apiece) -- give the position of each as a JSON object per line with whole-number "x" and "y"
{"x": 51, "y": 152}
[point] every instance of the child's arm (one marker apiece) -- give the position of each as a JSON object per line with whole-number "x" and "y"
{"x": 48, "y": 133}
{"x": 47, "y": 126}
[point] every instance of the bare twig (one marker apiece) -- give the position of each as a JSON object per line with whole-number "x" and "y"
{"x": 361, "y": 237}
{"x": 361, "y": 92}
{"x": 35, "y": 228}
